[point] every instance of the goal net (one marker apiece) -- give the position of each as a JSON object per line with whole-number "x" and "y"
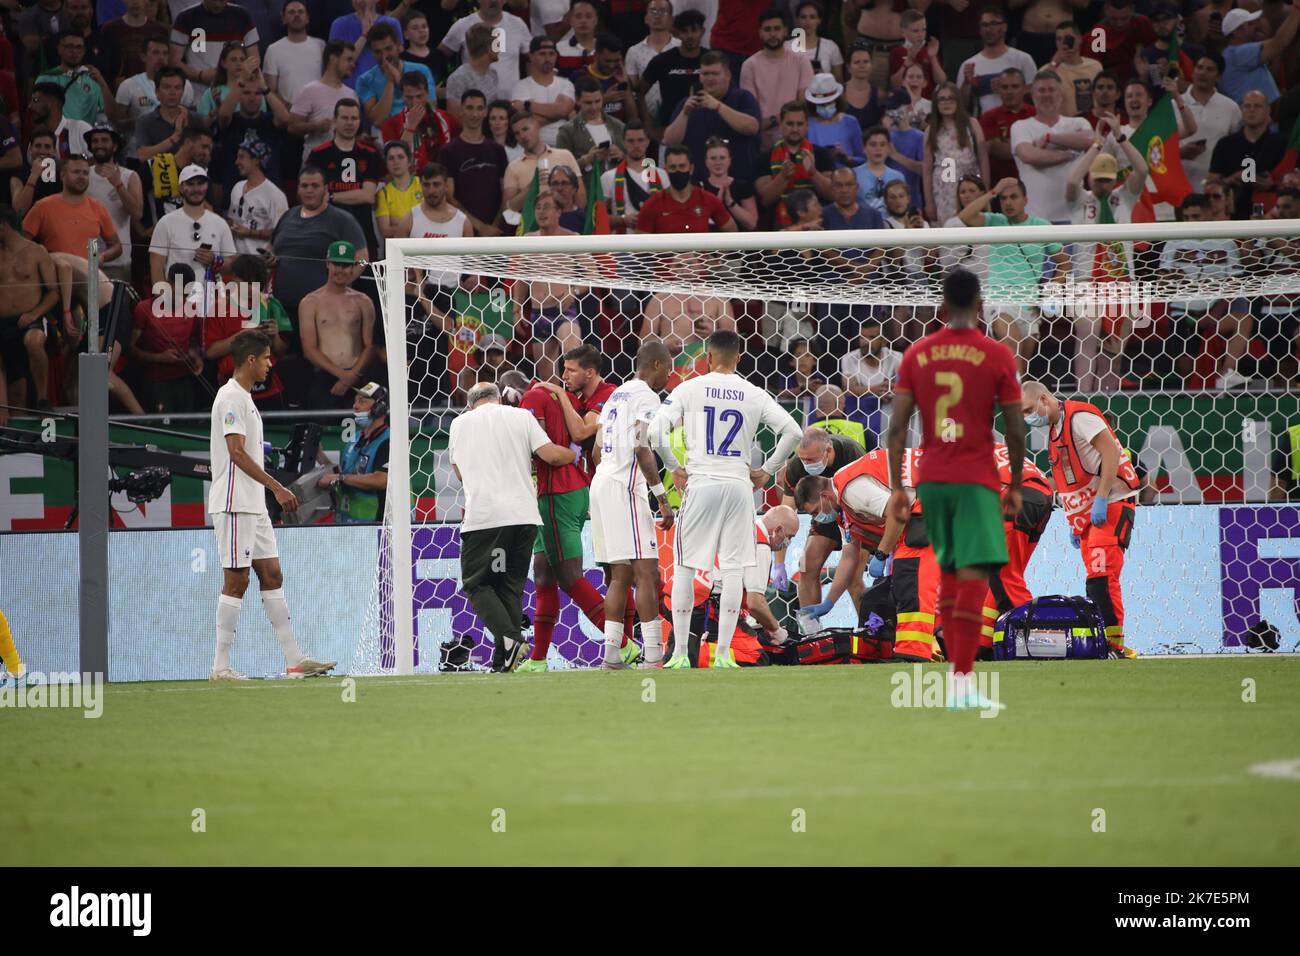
{"x": 1184, "y": 334}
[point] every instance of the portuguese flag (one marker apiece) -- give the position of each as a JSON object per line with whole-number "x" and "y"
{"x": 597, "y": 221}
{"x": 527, "y": 218}
{"x": 1157, "y": 140}
{"x": 1289, "y": 158}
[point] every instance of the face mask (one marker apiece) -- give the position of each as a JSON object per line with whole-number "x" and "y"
{"x": 822, "y": 517}
{"x": 1036, "y": 420}
{"x": 826, "y": 110}
{"x": 815, "y": 468}
{"x": 679, "y": 180}
{"x": 362, "y": 419}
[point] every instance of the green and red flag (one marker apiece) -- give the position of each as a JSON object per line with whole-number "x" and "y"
{"x": 597, "y": 220}
{"x": 527, "y": 217}
{"x": 1288, "y": 161}
{"x": 1157, "y": 140}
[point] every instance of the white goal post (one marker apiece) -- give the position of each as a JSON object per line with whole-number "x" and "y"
{"x": 731, "y": 266}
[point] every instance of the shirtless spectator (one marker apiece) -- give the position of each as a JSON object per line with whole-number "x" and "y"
{"x": 519, "y": 174}
{"x": 337, "y": 325}
{"x": 551, "y": 307}
{"x": 29, "y": 299}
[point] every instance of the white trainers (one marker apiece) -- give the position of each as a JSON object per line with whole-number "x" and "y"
{"x": 227, "y": 673}
{"x": 310, "y": 667}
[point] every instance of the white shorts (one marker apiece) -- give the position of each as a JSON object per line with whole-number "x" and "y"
{"x": 716, "y": 521}
{"x": 622, "y": 527}
{"x": 244, "y": 537}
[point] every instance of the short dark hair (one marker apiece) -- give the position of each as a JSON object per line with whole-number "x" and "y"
{"x": 397, "y": 144}
{"x": 415, "y": 78}
{"x": 332, "y": 49}
{"x": 248, "y": 267}
{"x": 651, "y": 352}
{"x": 799, "y": 200}
{"x": 310, "y": 169}
{"x": 381, "y": 31}
{"x": 1214, "y": 58}
{"x": 586, "y": 83}
{"x": 9, "y": 217}
{"x": 478, "y": 39}
{"x": 473, "y": 93}
{"x": 248, "y": 344}
{"x": 344, "y": 103}
{"x": 433, "y": 171}
{"x": 794, "y": 106}
{"x": 634, "y": 124}
{"x": 164, "y": 41}
{"x": 875, "y": 131}
{"x": 1194, "y": 200}
{"x": 724, "y": 341}
{"x": 688, "y": 18}
{"x": 716, "y": 58}
{"x": 52, "y": 88}
{"x": 774, "y": 13}
{"x": 1106, "y": 75}
{"x": 961, "y": 289}
{"x": 608, "y": 42}
{"x": 678, "y": 150}
{"x": 41, "y": 132}
{"x": 195, "y": 132}
{"x": 586, "y": 356}
{"x": 808, "y": 490}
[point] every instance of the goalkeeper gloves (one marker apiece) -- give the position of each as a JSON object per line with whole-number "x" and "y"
{"x": 1099, "y": 506}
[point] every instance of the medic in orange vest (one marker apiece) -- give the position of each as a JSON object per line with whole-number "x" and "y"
{"x": 1097, "y": 488}
{"x": 1007, "y": 588}
{"x": 857, "y": 496}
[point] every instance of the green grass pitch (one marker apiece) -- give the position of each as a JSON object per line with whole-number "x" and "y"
{"x": 714, "y": 771}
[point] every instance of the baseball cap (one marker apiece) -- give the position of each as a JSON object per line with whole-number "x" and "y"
{"x": 539, "y": 42}
{"x": 490, "y": 342}
{"x": 193, "y": 172}
{"x": 1236, "y": 18}
{"x": 342, "y": 251}
{"x": 1104, "y": 167}
{"x": 371, "y": 390}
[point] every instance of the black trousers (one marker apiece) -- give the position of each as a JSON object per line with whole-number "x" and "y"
{"x": 494, "y": 565}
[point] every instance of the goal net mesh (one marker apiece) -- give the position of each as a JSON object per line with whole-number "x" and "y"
{"x": 1189, "y": 344}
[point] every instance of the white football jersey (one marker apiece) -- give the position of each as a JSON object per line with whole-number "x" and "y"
{"x": 232, "y": 490}
{"x": 721, "y": 414}
{"x": 631, "y": 405}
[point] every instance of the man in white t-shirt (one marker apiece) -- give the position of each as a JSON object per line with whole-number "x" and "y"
{"x": 137, "y": 95}
{"x": 237, "y": 504}
{"x": 192, "y": 234}
{"x": 1044, "y": 145}
{"x": 118, "y": 190}
{"x": 294, "y": 61}
{"x": 629, "y": 184}
{"x": 872, "y": 368}
{"x": 659, "y": 18}
{"x": 549, "y": 97}
{"x": 1216, "y": 116}
{"x": 256, "y": 203}
{"x": 977, "y": 77}
{"x": 516, "y": 40}
{"x": 491, "y": 448}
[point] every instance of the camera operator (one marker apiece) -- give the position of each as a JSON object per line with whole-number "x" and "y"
{"x": 360, "y": 481}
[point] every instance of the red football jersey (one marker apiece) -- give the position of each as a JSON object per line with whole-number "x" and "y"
{"x": 959, "y": 377}
{"x": 545, "y": 407}
{"x": 595, "y": 402}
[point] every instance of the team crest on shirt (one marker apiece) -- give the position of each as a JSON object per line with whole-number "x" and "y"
{"x": 230, "y": 418}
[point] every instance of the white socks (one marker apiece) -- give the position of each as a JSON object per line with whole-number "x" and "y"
{"x": 683, "y": 605}
{"x": 227, "y": 621}
{"x": 613, "y": 641}
{"x": 733, "y": 591}
{"x": 277, "y": 612}
{"x": 652, "y": 637}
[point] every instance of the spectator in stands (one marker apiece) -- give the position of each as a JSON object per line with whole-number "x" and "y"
{"x": 68, "y": 221}
{"x": 424, "y": 128}
{"x": 1016, "y": 269}
{"x": 593, "y": 136}
{"x": 577, "y": 49}
{"x": 1152, "y": 61}
{"x": 996, "y": 123}
{"x": 1279, "y": 323}
{"x": 161, "y": 130}
{"x": 1249, "y": 49}
{"x": 435, "y": 293}
{"x": 1044, "y": 145}
{"x": 802, "y": 380}
{"x": 193, "y": 235}
{"x": 1216, "y": 199}
{"x": 118, "y": 190}
{"x": 775, "y": 75}
{"x": 670, "y": 77}
{"x": 909, "y": 101}
{"x": 1105, "y": 98}
{"x": 499, "y": 115}
{"x": 564, "y": 186}
{"x": 248, "y": 305}
{"x": 862, "y": 99}
{"x": 220, "y": 23}
{"x": 823, "y": 53}
{"x": 399, "y": 194}
{"x": 231, "y": 68}
{"x": 629, "y": 184}
{"x": 1246, "y": 159}
{"x": 303, "y": 236}
{"x": 295, "y": 60}
{"x": 919, "y": 50}
{"x": 137, "y": 95}
{"x": 737, "y": 196}
{"x": 311, "y": 114}
{"x": 793, "y": 163}
{"x": 537, "y": 155}
{"x": 475, "y": 165}
{"x": 659, "y": 38}
{"x": 721, "y": 110}
{"x": 24, "y": 316}
{"x": 1137, "y": 105}
{"x": 491, "y": 363}
{"x": 476, "y": 73}
{"x": 337, "y": 325}
{"x": 608, "y": 71}
{"x": 880, "y": 29}
{"x": 102, "y": 50}
{"x": 977, "y": 75}
{"x": 829, "y": 125}
{"x": 1216, "y": 116}
{"x": 906, "y": 151}
{"x": 845, "y": 211}
{"x": 872, "y": 368}
{"x": 549, "y": 97}
{"x": 354, "y": 30}
{"x": 39, "y": 178}
{"x": 906, "y": 268}
{"x": 515, "y": 35}
{"x": 250, "y": 119}
{"x": 552, "y": 310}
{"x": 353, "y": 169}
{"x": 46, "y": 110}
{"x": 874, "y": 175}
{"x": 379, "y": 88}
{"x": 416, "y": 33}
{"x": 683, "y": 206}
{"x": 954, "y": 147}
{"x": 86, "y": 92}
{"x": 973, "y": 256}
{"x": 1075, "y": 70}
{"x": 1118, "y": 37}
{"x": 256, "y": 203}
{"x": 1205, "y": 25}
{"x": 163, "y": 192}
{"x": 165, "y": 339}
{"x": 1039, "y": 22}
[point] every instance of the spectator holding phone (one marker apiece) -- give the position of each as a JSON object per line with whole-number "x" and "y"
{"x": 249, "y": 306}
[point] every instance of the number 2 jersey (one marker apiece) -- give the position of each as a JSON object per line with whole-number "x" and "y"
{"x": 627, "y": 407}
{"x": 959, "y": 377}
{"x": 721, "y": 413}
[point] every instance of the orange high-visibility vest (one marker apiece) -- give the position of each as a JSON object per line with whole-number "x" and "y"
{"x": 1030, "y": 475}
{"x": 1076, "y": 487}
{"x": 874, "y": 464}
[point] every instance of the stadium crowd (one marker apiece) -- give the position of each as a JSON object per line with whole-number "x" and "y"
{"x": 276, "y": 145}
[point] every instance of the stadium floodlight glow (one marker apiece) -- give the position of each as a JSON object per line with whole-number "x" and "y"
{"x": 1105, "y": 285}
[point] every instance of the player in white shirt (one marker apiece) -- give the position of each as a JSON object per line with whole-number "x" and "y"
{"x": 237, "y": 503}
{"x": 721, "y": 414}
{"x": 623, "y": 529}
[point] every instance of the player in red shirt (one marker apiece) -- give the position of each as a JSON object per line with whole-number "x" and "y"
{"x": 683, "y": 206}
{"x": 957, "y": 377}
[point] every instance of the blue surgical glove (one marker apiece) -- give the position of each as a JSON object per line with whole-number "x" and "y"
{"x": 1099, "y": 506}
{"x": 818, "y": 610}
{"x": 1074, "y": 541}
{"x": 780, "y": 577}
{"x": 876, "y": 566}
